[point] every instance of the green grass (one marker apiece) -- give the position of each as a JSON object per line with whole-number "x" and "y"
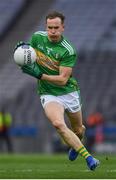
{"x": 53, "y": 167}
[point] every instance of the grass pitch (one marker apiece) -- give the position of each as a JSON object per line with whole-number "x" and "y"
{"x": 54, "y": 167}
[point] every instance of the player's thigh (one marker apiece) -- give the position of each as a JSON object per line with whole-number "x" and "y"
{"x": 75, "y": 119}
{"x": 54, "y": 112}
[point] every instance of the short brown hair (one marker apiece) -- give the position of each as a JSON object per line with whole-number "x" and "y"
{"x": 55, "y": 14}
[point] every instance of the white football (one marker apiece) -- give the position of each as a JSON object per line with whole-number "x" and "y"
{"x": 24, "y": 54}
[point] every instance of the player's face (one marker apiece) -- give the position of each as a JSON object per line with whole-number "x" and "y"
{"x": 55, "y": 29}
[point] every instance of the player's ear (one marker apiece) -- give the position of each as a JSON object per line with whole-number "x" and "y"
{"x": 63, "y": 28}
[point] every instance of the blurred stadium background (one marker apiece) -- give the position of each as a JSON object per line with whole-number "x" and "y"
{"x": 91, "y": 26}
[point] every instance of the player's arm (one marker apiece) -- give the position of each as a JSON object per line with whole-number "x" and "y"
{"x": 61, "y": 79}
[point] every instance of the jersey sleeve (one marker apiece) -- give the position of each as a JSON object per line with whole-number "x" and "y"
{"x": 36, "y": 39}
{"x": 33, "y": 41}
{"x": 69, "y": 60}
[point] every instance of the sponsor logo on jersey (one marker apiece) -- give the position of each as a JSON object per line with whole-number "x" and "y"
{"x": 40, "y": 47}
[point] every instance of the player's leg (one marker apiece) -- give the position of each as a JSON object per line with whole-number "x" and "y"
{"x": 55, "y": 113}
{"x": 76, "y": 123}
{"x": 78, "y": 128}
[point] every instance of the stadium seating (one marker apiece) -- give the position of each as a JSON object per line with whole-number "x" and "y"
{"x": 8, "y": 12}
{"x": 90, "y": 20}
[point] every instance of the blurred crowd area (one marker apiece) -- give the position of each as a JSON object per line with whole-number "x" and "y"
{"x": 91, "y": 27}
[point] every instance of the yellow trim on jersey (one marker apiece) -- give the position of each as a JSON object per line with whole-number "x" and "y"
{"x": 46, "y": 61}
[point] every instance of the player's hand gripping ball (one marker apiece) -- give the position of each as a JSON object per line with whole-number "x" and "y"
{"x": 24, "y": 55}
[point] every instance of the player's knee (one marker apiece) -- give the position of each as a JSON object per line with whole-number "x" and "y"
{"x": 80, "y": 131}
{"x": 59, "y": 125}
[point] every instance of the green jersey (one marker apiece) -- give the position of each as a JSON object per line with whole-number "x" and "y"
{"x": 50, "y": 57}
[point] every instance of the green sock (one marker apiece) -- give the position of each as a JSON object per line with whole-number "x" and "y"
{"x": 83, "y": 152}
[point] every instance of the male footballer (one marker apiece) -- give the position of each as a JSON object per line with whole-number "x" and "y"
{"x": 57, "y": 88}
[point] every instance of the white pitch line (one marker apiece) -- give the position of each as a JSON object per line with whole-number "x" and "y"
{"x": 16, "y": 170}
{"x": 112, "y": 170}
{"x": 51, "y": 170}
